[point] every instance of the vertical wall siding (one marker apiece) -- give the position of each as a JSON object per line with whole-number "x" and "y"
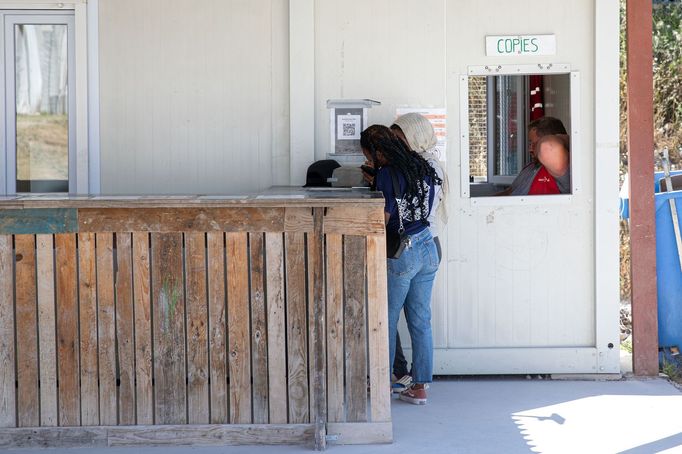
{"x": 184, "y": 109}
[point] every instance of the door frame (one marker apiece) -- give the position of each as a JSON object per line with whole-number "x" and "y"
{"x": 86, "y": 73}
{"x": 10, "y": 20}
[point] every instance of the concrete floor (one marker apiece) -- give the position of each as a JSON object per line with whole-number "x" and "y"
{"x": 510, "y": 415}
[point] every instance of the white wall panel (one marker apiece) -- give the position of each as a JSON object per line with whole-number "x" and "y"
{"x": 392, "y": 51}
{"x": 194, "y": 95}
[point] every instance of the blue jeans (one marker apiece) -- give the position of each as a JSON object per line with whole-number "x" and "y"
{"x": 410, "y": 282}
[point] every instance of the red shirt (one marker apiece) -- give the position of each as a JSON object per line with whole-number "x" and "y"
{"x": 543, "y": 183}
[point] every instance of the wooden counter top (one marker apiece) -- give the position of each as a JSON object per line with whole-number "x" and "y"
{"x": 274, "y": 197}
{"x": 279, "y": 209}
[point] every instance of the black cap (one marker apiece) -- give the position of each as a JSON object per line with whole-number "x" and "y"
{"x": 319, "y": 171}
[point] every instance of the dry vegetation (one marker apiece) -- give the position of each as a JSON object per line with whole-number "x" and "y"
{"x": 667, "y": 49}
{"x": 42, "y": 147}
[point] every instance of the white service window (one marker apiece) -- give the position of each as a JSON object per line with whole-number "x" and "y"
{"x": 502, "y": 108}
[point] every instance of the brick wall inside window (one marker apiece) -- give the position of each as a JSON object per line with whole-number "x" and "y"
{"x": 478, "y": 126}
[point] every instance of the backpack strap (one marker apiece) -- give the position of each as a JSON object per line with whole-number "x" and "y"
{"x": 396, "y": 192}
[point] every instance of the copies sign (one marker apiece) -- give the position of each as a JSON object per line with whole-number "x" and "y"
{"x": 520, "y": 45}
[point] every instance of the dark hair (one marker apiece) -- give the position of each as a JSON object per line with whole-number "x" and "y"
{"x": 413, "y": 167}
{"x": 563, "y": 139}
{"x": 545, "y": 126}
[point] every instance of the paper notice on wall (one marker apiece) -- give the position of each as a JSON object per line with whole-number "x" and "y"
{"x": 438, "y": 119}
{"x": 348, "y": 127}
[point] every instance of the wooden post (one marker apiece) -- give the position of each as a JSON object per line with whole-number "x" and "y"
{"x": 319, "y": 378}
{"x": 640, "y": 150}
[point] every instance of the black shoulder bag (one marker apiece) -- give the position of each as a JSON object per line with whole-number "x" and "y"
{"x": 396, "y": 242}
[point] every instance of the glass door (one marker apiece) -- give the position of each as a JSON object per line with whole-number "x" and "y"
{"x": 38, "y": 103}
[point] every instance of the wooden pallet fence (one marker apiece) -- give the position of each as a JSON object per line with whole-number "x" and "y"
{"x": 123, "y": 322}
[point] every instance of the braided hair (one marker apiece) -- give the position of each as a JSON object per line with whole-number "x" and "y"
{"x": 413, "y": 167}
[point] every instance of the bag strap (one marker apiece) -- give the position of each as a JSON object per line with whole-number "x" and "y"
{"x": 396, "y": 191}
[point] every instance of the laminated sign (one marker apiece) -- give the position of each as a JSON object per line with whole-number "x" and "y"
{"x": 349, "y": 127}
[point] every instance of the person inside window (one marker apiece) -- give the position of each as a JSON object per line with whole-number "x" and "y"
{"x": 548, "y": 171}
{"x": 411, "y": 275}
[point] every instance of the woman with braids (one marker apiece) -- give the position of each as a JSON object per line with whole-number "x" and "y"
{"x": 411, "y": 275}
{"x": 418, "y": 134}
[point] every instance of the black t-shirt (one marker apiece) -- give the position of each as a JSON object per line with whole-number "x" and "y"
{"x": 384, "y": 183}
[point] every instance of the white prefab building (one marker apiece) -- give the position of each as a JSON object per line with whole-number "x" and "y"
{"x": 229, "y": 97}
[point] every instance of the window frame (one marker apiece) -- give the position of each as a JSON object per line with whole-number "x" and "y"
{"x": 574, "y": 133}
{"x": 521, "y": 114}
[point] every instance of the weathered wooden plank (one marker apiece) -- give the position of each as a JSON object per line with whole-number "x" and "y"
{"x": 238, "y": 328}
{"x": 336, "y": 409}
{"x": 47, "y": 330}
{"x": 355, "y": 325}
{"x": 316, "y": 327}
{"x": 147, "y": 435}
{"x": 277, "y": 371}
{"x": 259, "y": 336}
{"x": 38, "y": 220}
{"x": 342, "y": 220}
{"x": 106, "y": 326}
{"x": 197, "y": 326}
{"x": 361, "y": 433}
{"x": 53, "y": 437}
{"x": 67, "y": 330}
{"x": 125, "y": 321}
{"x": 8, "y": 411}
{"x": 297, "y": 328}
{"x": 211, "y": 435}
{"x": 143, "y": 329}
{"x": 238, "y": 219}
{"x": 377, "y": 321}
{"x": 298, "y": 219}
{"x": 89, "y": 372}
{"x": 168, "y": 315}
{"x": 351, "y": 221}
{"x": 28, "y": 402}
{"x": 217, "y": 329}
